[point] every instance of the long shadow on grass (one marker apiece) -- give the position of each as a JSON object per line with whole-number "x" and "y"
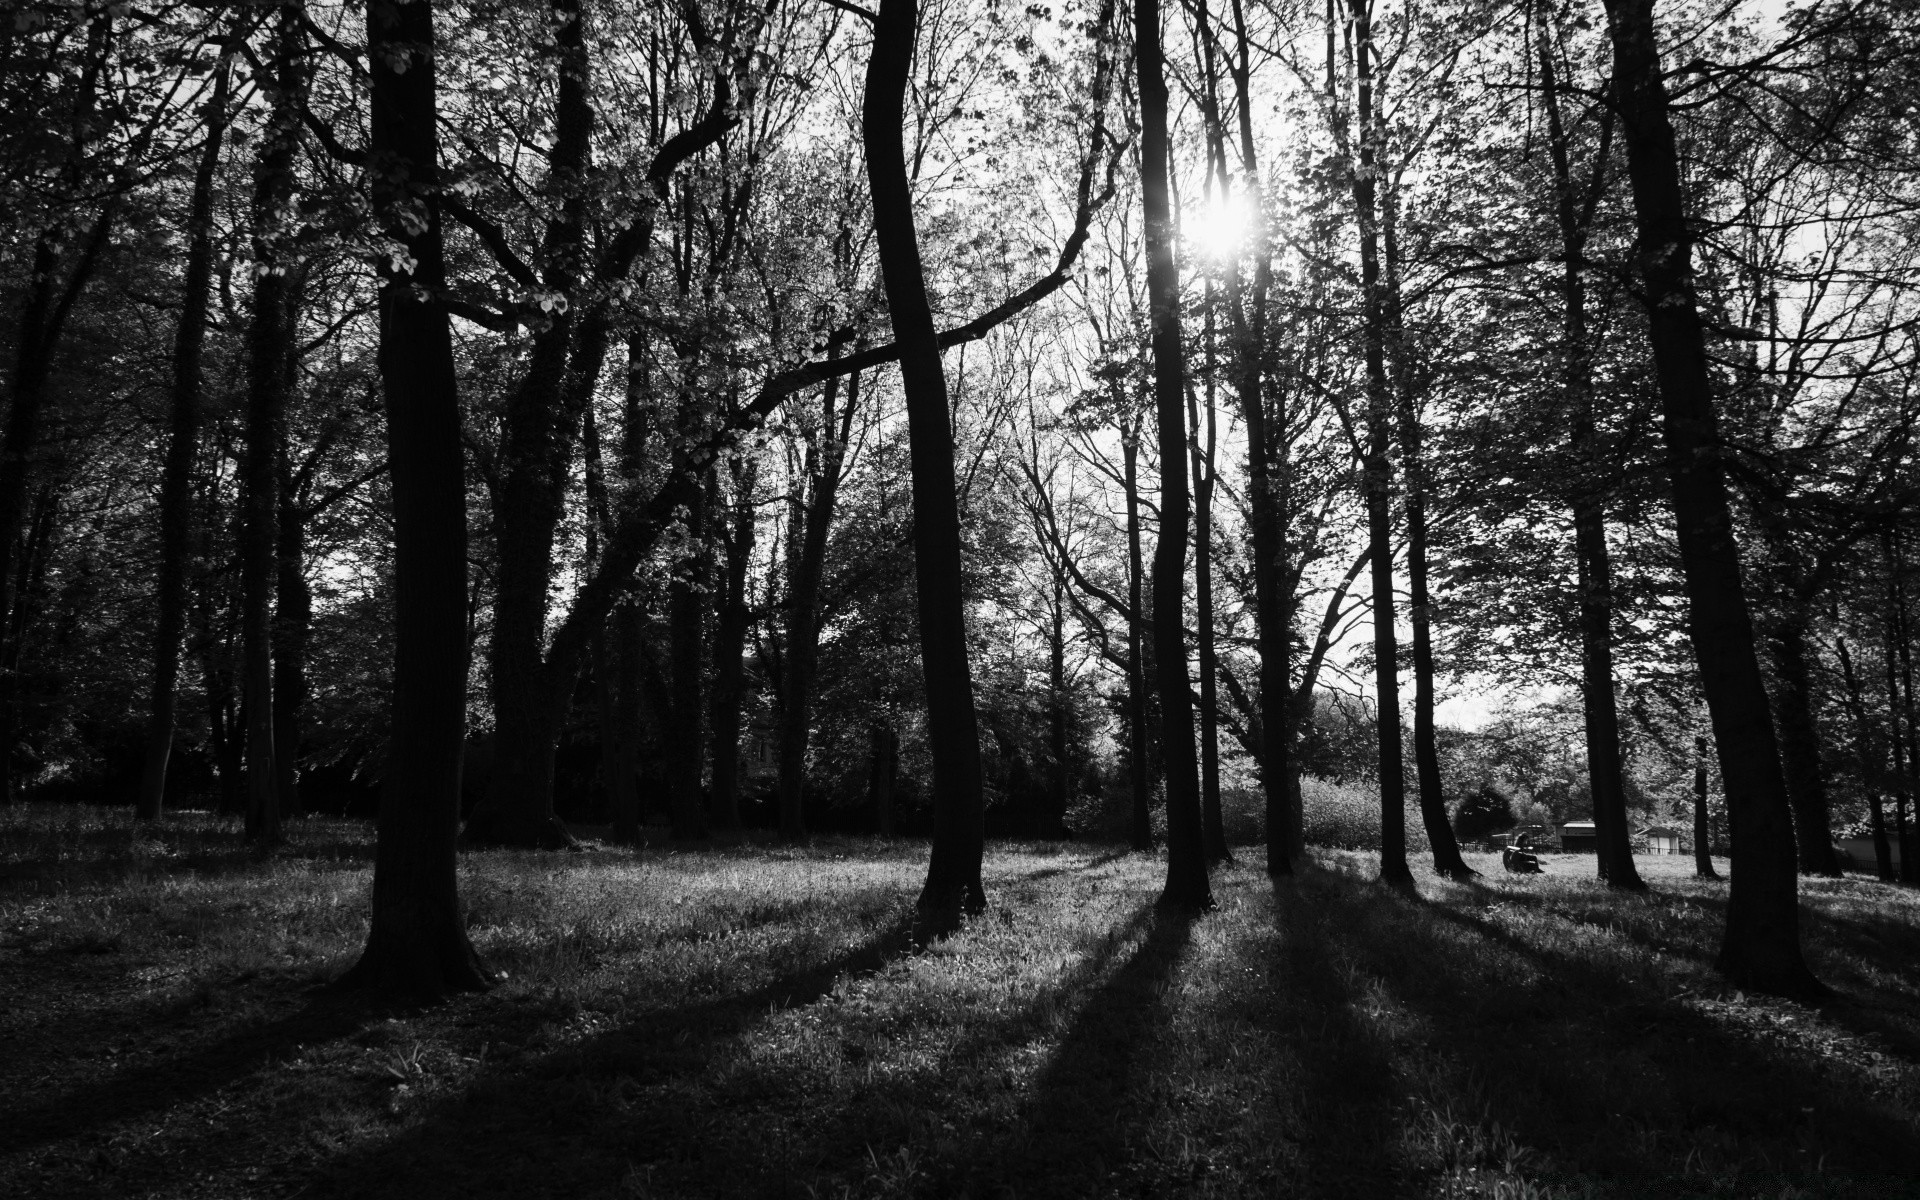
{"x": 155, "y": 1087}
{"x": 1079, "y": 1135}
{"x": 567, "y": 1122}
{"x": 1075, "y": 869}
{"x": 1344, "y": 1106}
{"x": 1861, "y": 1003}
{"x": 1607, "y": 1075}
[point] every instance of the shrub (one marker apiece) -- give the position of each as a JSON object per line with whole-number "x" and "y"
{"x": 1348, "y": 816}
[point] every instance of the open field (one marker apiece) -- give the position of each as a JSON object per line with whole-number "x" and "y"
{"x": 761, "y": 1021}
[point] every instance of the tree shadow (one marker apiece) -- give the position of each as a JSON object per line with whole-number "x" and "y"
{"x": 150, "y": 1088}
{"x": 1602, "y": 1071}
{"x": 540, "y": 1127}
{"x": 1078, "y": 1132}
{"x": 1076, "y": 869}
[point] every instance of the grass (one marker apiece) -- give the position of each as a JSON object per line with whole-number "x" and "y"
{"x": 759, "y": 1021}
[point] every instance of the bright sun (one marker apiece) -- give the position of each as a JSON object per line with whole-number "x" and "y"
{"x": 1217, "y": 227}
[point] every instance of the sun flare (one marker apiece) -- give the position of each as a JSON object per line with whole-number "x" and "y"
{"x": 1217, "y": 228}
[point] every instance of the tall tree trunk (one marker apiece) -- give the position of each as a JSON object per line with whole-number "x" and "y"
{"x": 1702, "y": 825}
{"x": 1212, "y": 821}
{"x": 1800, "y": 741}
{"x": 58, "y": 277}
{"x": 1606, "y": 779}
{"x": 1447, "y": 862}
{"x": 814, "y": 512}
{"x": 627, "y": 623}
{"x": 1060, "y": 777}
{"x": 536, "y": 453}
{"x": 183, "y": 442}
{"x": 1247, "y": 316}
{"x": 1377, "y": 466}
{"x": 1139, "y": 775}
{"x": 1762, "y": 945}
{"x": 1900, "y": 641}
{"x": 417, "y": 945}
{"x": 959, "y": 803}
{"x": 270, "y": 368}
{"x": 729, "y": 645}
{"x": 686, "y": 664}
{"x": 1186, "y": 884}
{"x": 292, "y": 628}
{"x": 1863, "y": 750}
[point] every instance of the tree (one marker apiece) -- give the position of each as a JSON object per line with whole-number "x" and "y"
{"x": 417, "y": 945}
{"x": 953, "y": 871}
{"x": 1186, "y": 885}
{"x": 1762, "y": 944}
{"x": 183, "y": 442}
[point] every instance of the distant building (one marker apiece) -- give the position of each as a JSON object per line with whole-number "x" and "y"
{"x": 1661, "y": 839}
{"x": 1579, "y": 837}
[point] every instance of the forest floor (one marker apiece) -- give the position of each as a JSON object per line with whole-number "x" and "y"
{"x": 761, "y": 1021}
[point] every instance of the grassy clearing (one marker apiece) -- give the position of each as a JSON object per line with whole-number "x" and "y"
{"x": 758, "y": 1021}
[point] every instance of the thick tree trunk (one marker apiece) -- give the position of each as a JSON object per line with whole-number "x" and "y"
{"x": 729, "y": 645}
{"x": 1139, "y": 775}
{"x": 417, "y": 945}
{"x": 183, "y": 443}
{"x": 1762, "y": 945}
{"x": 1377, "y": 467}
{"x": 1186, "y": 885}
{"x": 959, "y": 840}
{"x": 270, "y": 367}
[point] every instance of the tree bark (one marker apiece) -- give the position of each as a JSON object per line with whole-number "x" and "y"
{"x": 1212, "y": 821}
{"x": 1900, "y": 641}
{"x": 959, "y": 840}
{"x": 686, "y": 662}
{"x": 417, "y": 945}
{"x": 56, "y": 283}
{"x": 1863, "y": 750}
{"x": 1053, "y": 822}
{"x": 1761, "y": 949}
{"x": 270, "y": 367}
{"x": 1266, "y": 485}
{"x": 183, "y": 443}
{"x": 1377, "y": 466}
{"x": 1186, "y": 885}
{"x": 1447, "y": 862}
{"x": 537, "y": 441}
{"x": 1139, "y": 773}
{"x": 729, "y": 645}
{"x": 814, "y": 512}
{"x": 292, "y": 630}
{"x": 1702, "y": 825}
{"x": 1800, "y": 741}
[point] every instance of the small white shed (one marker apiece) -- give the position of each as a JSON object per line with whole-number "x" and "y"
{"x": 1661, "y": 839}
